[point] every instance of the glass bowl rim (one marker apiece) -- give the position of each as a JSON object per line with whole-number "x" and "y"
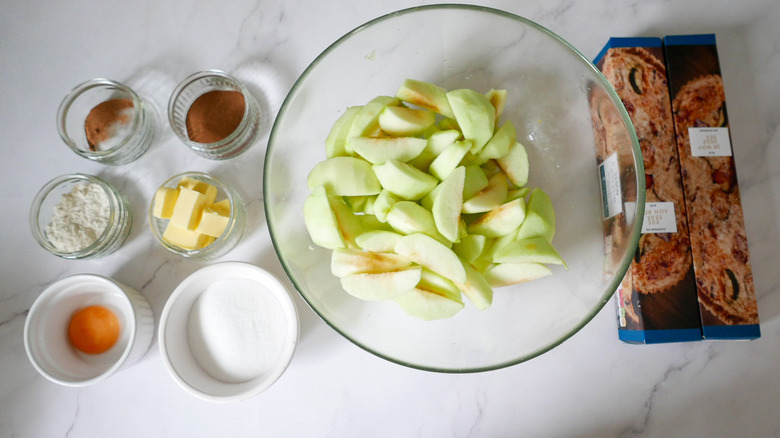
{"x": 597, "y": 75}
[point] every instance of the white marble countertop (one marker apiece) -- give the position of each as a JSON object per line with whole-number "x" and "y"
{"x": 592, "y": 385}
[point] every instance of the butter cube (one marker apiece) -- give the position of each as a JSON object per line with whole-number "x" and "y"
{"x": 164, "y": 201}
{"x": 212, "y": 223}
{"x": 188, "y": 209}
{"x": 199, "y": 186}
{"x": 184, "y": 238}
{"x": 222, "y": 207}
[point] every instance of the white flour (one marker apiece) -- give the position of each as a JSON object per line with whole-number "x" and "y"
{"x": 79, "y": 218}
{"x": 236, "y": 330}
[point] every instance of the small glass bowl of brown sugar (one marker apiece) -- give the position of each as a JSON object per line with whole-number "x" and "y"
{"x": 214, "y": 114}
{"x": 105, "y": 121}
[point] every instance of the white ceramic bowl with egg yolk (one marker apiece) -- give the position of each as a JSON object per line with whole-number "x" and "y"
{"x": 46, "y": 329}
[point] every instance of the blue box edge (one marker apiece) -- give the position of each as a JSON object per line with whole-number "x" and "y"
{"x": 660, "y": 336}
{"x": 748, "y": 331}
{"x": 704, "y": 39}
{"x": 616, "y": 42}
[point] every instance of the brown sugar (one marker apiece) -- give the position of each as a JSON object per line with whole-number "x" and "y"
{"x": 102, "y": 120}
{"x": 215, "y": 115}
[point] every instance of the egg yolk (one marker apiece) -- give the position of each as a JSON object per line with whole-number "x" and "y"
{"x": 93, "y": 329}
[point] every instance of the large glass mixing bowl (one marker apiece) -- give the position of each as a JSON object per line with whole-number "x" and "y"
{"x": 565, "y": 113}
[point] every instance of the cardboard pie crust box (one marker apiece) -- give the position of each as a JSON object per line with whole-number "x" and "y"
{"x": 661, "y": 297}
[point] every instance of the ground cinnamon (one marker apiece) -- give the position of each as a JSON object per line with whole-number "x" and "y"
{"x": 215, "y": 115}
{"x": 103, "y": 120}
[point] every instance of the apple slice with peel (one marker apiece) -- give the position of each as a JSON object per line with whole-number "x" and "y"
{"x": 515, "y": 164}
{"x": 540, "y": 217}
{"x": 378, "y": 240}
{"x": 499, "y": 144}
{"x": 476, "y": 288}
{"x": 350, "y": 261}
{"x": 366, "y": 120}
{"x": 475, "y": 116}
{"x": 500, "y": 221}
{"x": 320, "y": 220}
{"x": 435, "y": 297}
{"x": 334, "y": 143}
{"x": 402, "y": 121}
{"x": 449, "y": 159}
{"x": 350, "y": 225}
{"x": 432, "y": 254}
{"x": 505, "y": 274}
{"x": 382, "y": 285}
{"x": 403, "y": 180}
{"x": 531, "y": 250}
{"x": 425, "y": 95}
{"x": 407, "y": 217}
{"x": 345, "y": 176}
{"x": 378, "y": 150}
{"x": 448, "y": 203}
{"x": 490, "y": 197}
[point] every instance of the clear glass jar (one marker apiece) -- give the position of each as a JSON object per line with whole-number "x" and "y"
{"x": 222, "y": 244}
{"x": 126, "y": 139}
{"x": 189, "y": 90}
{"x": 118, "y": 218}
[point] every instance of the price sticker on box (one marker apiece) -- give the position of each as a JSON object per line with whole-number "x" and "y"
{"x": 611, "y": 196}
{"x": 710, "y": 142}
{"x": 659, "y": 218}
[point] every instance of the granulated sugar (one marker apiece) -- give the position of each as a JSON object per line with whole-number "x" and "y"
{"x": 236, "y": 330}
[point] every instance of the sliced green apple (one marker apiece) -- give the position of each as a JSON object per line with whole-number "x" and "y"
{"x": 350, "y": 224}
{"x": 500, "y": 221}
{"x": 476, "y": 288}
{"x": 540, "y": 217}
{"x": 449, "y": 159}
{"x": 378, "y": 150}
{"x": 469, "y": 247}
{"x": 403, "y": 180}
{"x": 437, "y": 142}
{"x": 402, "y": 121}
{"x": 435, "y": 297}
{"x": 366, "y": 121}
{"x": 497, "y": 98}
{"x": 382, "y": 285}
{"x": 499, "y": 144}
{"x": 475, "y": 116}
{"x": 531, "y": 250}
{"x": 407, "y": 217}
{"x": 320, "y": 220}
{"x": 345, "y": 176}
{"x": 378, "y": 240}
{"x": 448, "y": 203}
{"x": 425, "y": 95}
{"x": 515, "y": 164}
{"x": 350, "y": 261}
{"x": 505, "y": 274}
{"x": 334, "y": 143}
{"x": 475, "y": 181}
{"x": 432, "y": 254}
{"x": 489, "y": 198}
{"x": 384, "y": 201}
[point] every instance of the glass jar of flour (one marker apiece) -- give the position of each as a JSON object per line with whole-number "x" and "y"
{"x": 78, "y": 216}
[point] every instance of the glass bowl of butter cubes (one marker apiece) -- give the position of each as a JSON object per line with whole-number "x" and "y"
{"x": 197, "y": 216}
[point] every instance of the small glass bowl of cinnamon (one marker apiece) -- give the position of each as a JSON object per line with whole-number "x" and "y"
{"x": 214, "y": 114}
{"x": 105, "y": 121}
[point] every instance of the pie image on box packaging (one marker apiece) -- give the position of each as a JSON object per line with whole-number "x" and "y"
{"x": 717, "y": 224}
{"x": 662, "y": 259}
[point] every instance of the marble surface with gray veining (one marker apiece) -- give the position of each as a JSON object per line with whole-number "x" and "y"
{"x": 591, "y": 386}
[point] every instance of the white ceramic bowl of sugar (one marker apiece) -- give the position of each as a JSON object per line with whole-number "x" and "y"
{"x": 228, "y": 332}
